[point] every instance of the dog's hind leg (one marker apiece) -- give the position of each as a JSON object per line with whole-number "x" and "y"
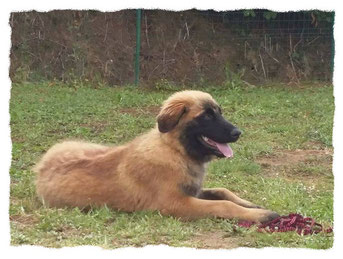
{"x": 188, "y": 208}
{"x": 225, "y": 194}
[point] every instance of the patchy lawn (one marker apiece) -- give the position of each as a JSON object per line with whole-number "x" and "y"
{"x": 283, "y": 161}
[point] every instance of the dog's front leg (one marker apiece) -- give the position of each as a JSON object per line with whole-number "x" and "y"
{"x": 188, "y": 208}
{"x": 225, "y": 194}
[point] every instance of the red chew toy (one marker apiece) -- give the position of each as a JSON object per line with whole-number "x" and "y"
{"x": 292, "y": 222}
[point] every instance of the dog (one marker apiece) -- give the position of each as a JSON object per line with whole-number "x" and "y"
{"x": 161, "y": 170}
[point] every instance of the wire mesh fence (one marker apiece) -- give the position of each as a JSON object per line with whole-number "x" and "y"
{"x": 189, "y": 47}
{"x": 305, "y": 38}
{"x": 301, "y": 24}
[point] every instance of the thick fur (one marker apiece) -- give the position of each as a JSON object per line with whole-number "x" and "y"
{"x": 155, "y": 171}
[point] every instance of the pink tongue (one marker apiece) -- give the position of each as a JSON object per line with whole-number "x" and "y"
{"x": 224, "y": 148}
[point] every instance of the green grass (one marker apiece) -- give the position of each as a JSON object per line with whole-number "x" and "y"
{"x": 274, "y": 119}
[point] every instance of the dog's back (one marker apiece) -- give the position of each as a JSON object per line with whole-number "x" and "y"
{"x": 128, "y": 177}
{"x": 76, "y": 174}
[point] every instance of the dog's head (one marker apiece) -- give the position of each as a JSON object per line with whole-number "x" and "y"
{"x": 196, "y": 119}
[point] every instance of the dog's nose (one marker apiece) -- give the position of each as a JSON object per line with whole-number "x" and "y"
{"x": 235, "y": 133}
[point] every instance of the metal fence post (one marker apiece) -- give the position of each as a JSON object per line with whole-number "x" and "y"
{"x": 138, "y": 44}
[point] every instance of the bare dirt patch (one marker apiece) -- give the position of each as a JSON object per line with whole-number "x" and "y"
{"x": 298, "y": 164}
{"x": 95, "y": 126}
{"x": 149, "y": 110}
{"x": 18, "y": 139}
{"x": 24, "y": 219}
{"x": 215, "y": 240}
{"x": 291, "y": 157}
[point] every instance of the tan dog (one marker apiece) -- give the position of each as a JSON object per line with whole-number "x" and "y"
{"x": 161, "y": 170}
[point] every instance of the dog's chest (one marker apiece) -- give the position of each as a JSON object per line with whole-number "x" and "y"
{"x": 193, "y": 181}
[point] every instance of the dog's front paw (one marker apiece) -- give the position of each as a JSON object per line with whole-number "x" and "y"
{"x": 261, "y": 215}
{"x": 267, "y": 216}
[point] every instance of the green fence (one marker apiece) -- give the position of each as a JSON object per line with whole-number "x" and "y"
{"x": 155, "y": 46}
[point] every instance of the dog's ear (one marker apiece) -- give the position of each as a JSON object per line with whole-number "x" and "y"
{"x": 170, "y": 116}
